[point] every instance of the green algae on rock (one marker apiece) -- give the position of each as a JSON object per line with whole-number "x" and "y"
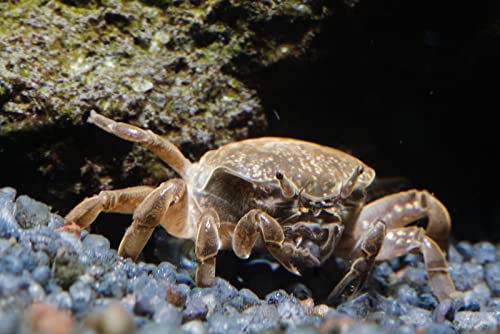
{"x": 181, "y": 69}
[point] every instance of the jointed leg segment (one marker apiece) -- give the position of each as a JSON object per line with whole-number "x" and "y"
{"x": 161, "y": 147}
{"x": 396, "y": 212}
{"x": 118, "y": 201}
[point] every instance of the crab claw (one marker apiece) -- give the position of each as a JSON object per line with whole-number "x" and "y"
{"x": 293, "y": 258}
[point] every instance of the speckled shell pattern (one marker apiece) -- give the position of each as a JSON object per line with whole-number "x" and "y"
{"x": 318, "y": 171}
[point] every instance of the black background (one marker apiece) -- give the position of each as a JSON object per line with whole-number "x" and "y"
{"x": 411, "y": 89}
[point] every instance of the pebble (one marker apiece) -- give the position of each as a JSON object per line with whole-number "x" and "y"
{"x": 484, "y": 252}
{"x": 31, "y": 213}
{"x": 41, "y": 275}
{"x": 492, "y": 276}
{"x": 468, "y": 321}
{"x": 84, "y": 278}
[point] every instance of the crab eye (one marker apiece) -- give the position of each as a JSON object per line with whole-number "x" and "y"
{"x": 279, "y": 175}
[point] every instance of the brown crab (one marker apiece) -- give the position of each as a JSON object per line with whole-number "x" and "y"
{"x": 300, "y": 201}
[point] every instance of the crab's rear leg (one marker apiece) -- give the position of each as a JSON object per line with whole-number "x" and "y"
{"x": 403, "y": 208}
{"x": 161, "y": 147}
{"x": 118, "y": 201}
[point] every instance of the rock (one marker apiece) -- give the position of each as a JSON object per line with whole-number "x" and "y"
{"x": 467, "y": 321}
{"x": 112, "y": 319}
{"x": 30, "y": 213}
{"x": 46, "y": 318}
{"x": 484, "y": 252}
{"x": 492, "y": 276}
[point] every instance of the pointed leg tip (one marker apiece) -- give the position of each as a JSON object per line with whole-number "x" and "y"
{"x": 447, "y": 309}
{"x": 93, "y": 115}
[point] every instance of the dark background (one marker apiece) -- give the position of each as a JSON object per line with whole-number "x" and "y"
{"x": 411, "y": 89}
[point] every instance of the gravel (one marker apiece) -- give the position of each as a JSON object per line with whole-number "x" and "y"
{"x": 61, "y": 283}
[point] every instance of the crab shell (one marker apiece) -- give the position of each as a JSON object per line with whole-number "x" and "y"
{"x": 319, "y": 171}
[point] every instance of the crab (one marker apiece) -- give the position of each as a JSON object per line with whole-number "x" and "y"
{"x": 299, "y": 201}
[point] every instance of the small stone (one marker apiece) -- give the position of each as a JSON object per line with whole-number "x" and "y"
{"x": 95, "y": 245}
{"x": 249, "y": 298}
{"x": 143, "y": 306}
{"x": 437, "y": 328}
{"x": 454, "y": 255}
{"x": 177, "y": 294}
{"x": 30, "y": 213}
{"x": 389, "y": 306}
{"x": 157, "y": 328}
{"x": 276, "y": 297}
{"x": 492, "y": 276}
{"x": 46, "y": 318}
{"x": 168, "y": 314}
{"x": 465, "y": 248}
{"x": 466, "y": 275}
{"x": 479, "y": 295}
{"x": 41, "y": 258}
{"x": 407, "y": 294}
{"x": 467, "y": 321}
{"x": 41, "y": 275}
{"x": 81, "y": 296}
{"x": 61, "y": 300}
{"x": 36, "y": 292}
{"x": 260, "y": 318}
{"x": 112, "y": 284}
{"x": 44, "y": 239}
{"x": 365, "y": 328}
{"x": 73, "y": 241}
{"x": 8, "y": 224}
{"x": 113, "y": 319}
{"x": 358, "y": 307}
{"x": 10, "y": 323}
{"x": 11, "y": 264}
{"x": 291, "y": 313}
{"x": 193, "y": 327}
{"x": 484, "y": 252}
{"x": 427, "y": 301}
{"x": 55, "y": 221}
{"x": 415, "y": 276}
{"x": 165, "y": 272}
{"x": 417, "y": 317}
{"x": 195, "y": 308}
{"x": 222, "y": 323}
{"x": 303, "y": 330}
{"x": 8, "y": 285}
{"x": 139, "y": 85}
{"x": 183, "y": 277}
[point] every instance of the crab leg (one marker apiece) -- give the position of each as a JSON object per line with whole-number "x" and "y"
{"x": 399, "y": 210}
{"x": 403, "y": 240}
{"x": 257, "y": 222}
{"x": 250, "y": 226}
{"x": 207, "y": 246}
{"x": 161, "y": 147}
{"x": 119, "y": 201}
{"x": 169, "y": 197}
{"x": 365, "y": 252}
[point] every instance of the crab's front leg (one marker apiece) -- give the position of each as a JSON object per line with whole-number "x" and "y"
{"x": 166, "y": 205}
{"x": 365, "y": 253}
{"x": 257, "y": 223}
{"x": 207, "y": 246}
